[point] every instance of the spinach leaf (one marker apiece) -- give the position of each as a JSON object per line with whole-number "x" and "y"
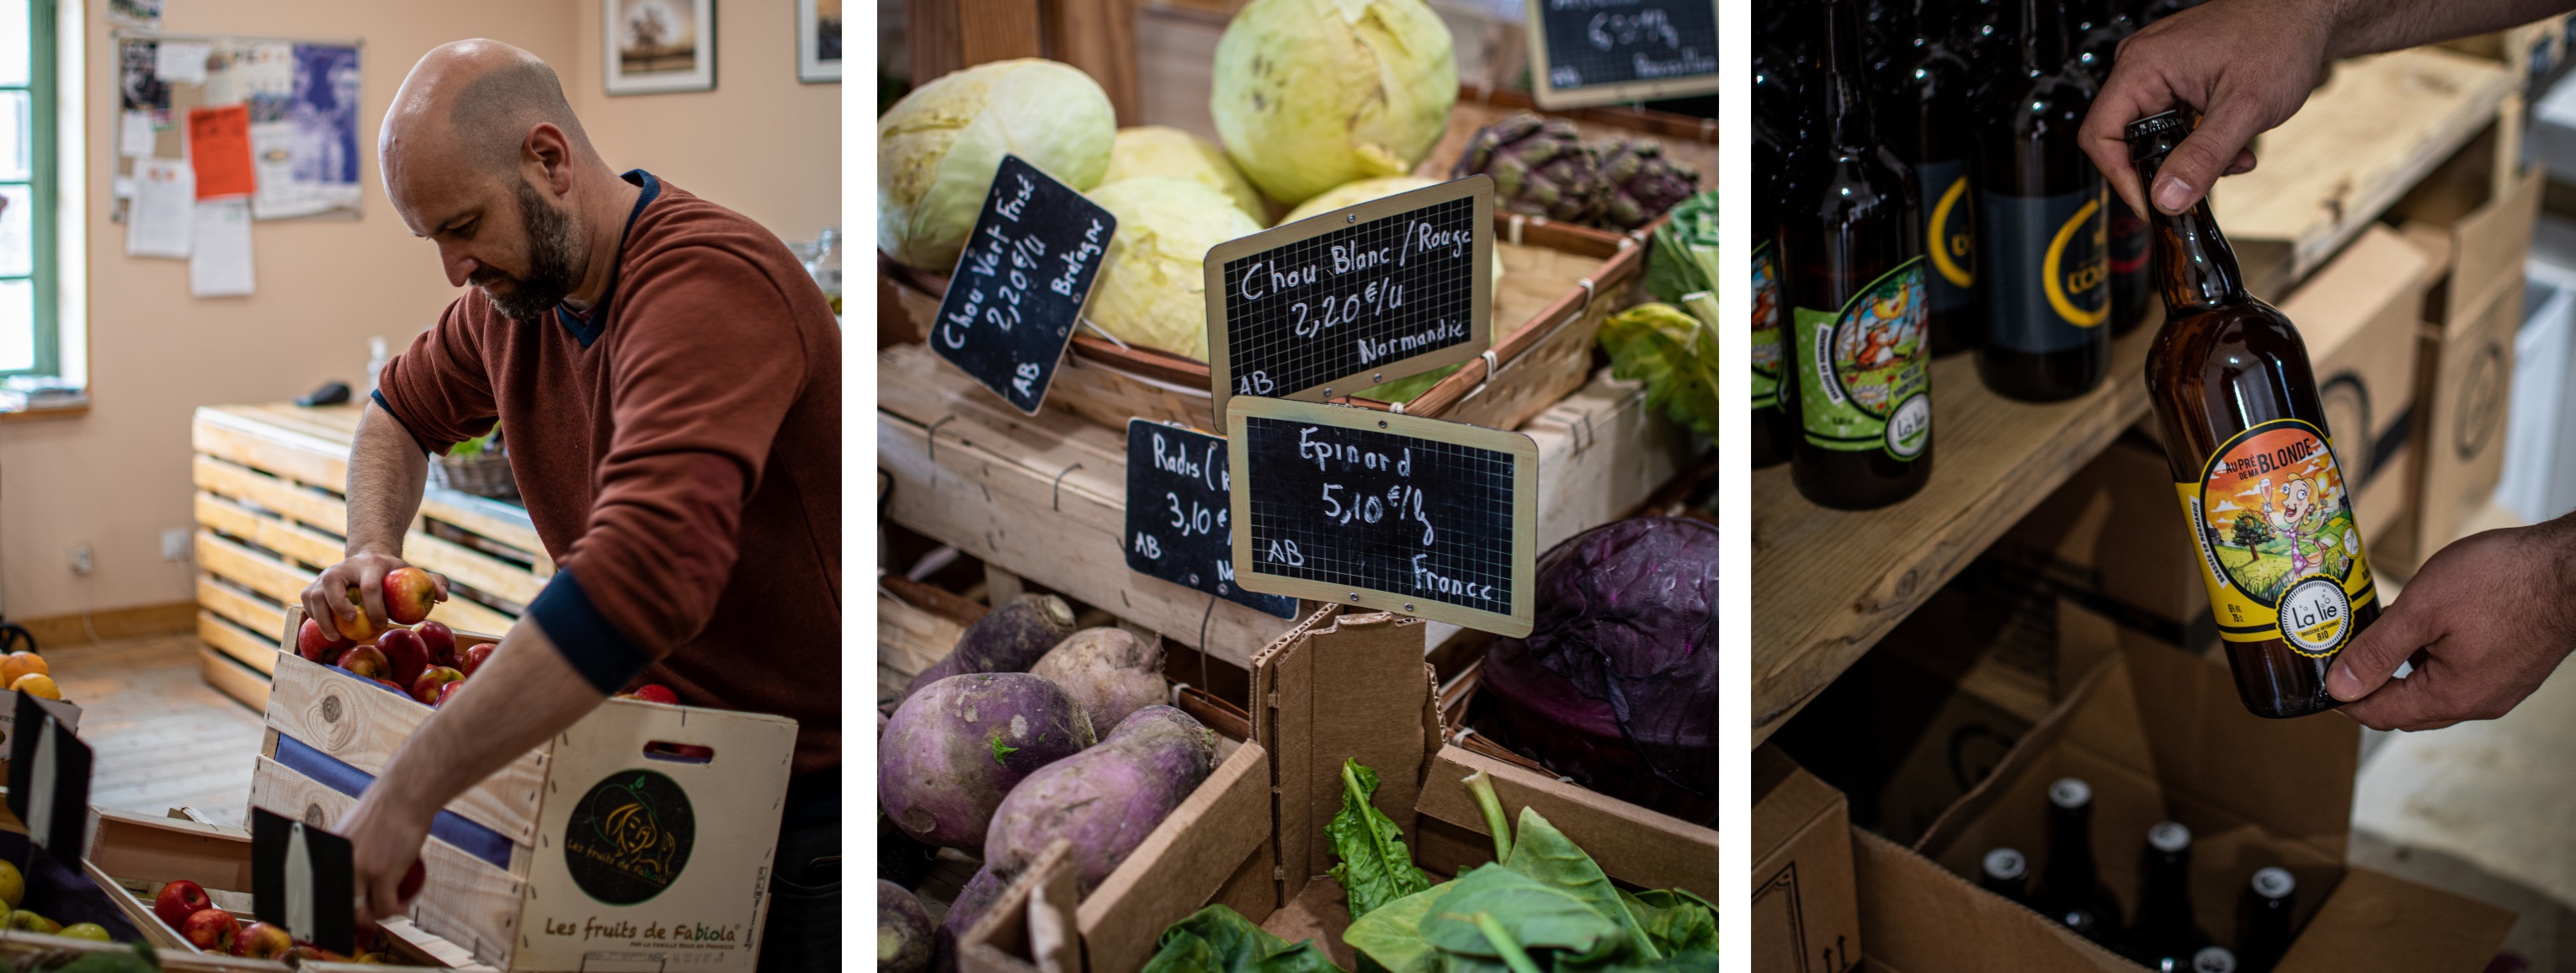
{"x": 1390, "y": 936}
{"x": 1375, "y": 867}
{"x": 1535, "y": 915}
{"x": 1547, "y": 856}
{"x": 1676, "y": 921}
{"x": 1217, "y": 939}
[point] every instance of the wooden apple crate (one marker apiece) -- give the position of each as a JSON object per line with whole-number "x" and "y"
{"x": 501, "y": 881}
{"x": 270, "y": 516}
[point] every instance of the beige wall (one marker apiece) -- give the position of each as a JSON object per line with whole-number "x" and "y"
{"x": 117, "y": 477}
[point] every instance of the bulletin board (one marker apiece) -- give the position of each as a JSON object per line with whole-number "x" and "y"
{"x": 187, "y": 103}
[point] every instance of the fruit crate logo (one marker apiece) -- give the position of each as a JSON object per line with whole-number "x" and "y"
{"x": 630, "y": 836}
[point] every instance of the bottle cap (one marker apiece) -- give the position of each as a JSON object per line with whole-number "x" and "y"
{"x": 2274, "y": 883}
{"x": 2169, "y": 837}
{"x": 2213, "y": 959}
{"x": 2173, "y": 121}
{"x": 2070, "y": 793}
{"x": 2005, "y": 864}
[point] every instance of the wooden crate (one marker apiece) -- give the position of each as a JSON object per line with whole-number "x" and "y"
{"x": 270, "y": 516}
{"x": 506, "y": 881}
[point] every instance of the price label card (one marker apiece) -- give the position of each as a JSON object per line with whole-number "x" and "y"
{"x": 1434, "y": 519}
{"x": 1348, "y": 299}
{"x": 302, "y": 880}
{"x": 1180, "y": 514}
{"x": 1018, "y": 289}
{"x": 1601, "y": 52}
{"x": 49, "y": 775}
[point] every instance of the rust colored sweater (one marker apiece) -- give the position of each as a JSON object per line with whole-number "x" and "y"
{"x": 679, "y": 449}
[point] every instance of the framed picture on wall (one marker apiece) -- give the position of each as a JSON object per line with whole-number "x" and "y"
{"x": 655, "y": 46}
{"x": 818, "y": 41}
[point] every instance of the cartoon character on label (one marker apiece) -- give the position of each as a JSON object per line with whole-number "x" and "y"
{"x": 1890, "y": 324}
{"x": 2297, "y": 521}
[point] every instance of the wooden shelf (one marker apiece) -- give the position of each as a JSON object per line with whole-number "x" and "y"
{"x": 1829, "y": 584}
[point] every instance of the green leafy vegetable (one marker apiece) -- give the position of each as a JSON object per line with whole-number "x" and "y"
{"x": 1537, "y": 916}
{"x": 1391, "y": 935}
{"x": 1675, "y": 354}
{"x": 1409, "y": 388}
{"x": 1375, "y": 867}
{"x": 1499, "y": 824}
{"x": 1676, "y": 921}
{"x": 1217, "y": 939}
{"x": 1683, "y": 259}
{"x": 1547, "y": 856}
{"x": 1501, "y": 939}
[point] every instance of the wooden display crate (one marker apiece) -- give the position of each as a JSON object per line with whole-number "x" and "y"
{"x": 508, "y": 880}
{"x": 270, "y": 516}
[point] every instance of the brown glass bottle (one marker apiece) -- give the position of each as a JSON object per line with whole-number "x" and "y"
{"x": 2253, "y": 462}
{"x": 1859, "y": 356}
{"x": 2042, "y": 234}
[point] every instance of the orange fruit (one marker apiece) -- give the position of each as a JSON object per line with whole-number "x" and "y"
{"x": 20, "y": 663}
{"x": 36, "y": 684}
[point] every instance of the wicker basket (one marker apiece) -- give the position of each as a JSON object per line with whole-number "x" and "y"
{"x": 484, "y": 475}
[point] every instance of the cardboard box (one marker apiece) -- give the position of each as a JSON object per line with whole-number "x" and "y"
{"x": 1806, "y": 914}
{"x": 2359, "y": 318}
{"x": 512, "y": 877}
{"x": 2468, "y": 367}
{"x": 1918, "y": 722}
{"x": 2255, "y": 793}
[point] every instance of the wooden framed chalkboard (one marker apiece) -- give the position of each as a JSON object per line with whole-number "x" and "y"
{"x": 1437, "y": 520}
{"x": 1600, "y": 52}
{"x": 1180, "y": 515}
{"x": 1344, "y": 300}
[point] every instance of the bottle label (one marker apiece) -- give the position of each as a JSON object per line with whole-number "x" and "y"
{"x": 1865, "y": 376}
{"x": 1950, "y": 233}
{"x": 2047, "y": 262}
{"x": 2279, "y": 548}
{"x": 2129, "y": 236}
{"x": 1766, "y": 326}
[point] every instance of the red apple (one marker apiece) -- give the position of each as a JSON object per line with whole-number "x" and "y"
{"x": 441, "y": 641}
{"x": 654, "y": 692}
{"x": 432, "y": 680}
{"x": 315, "y": 642}
{"x": 476, "y": 656}
{"x": 388, "y": 684}
{"x": 261, "y": 940}
{"x": 178, "y": 901}
{"x": 404, "y": 653}
{"x": 212, "y": 930}
{"x": 357, "y": 629}
{"x": 367, "y": 661}
{"x": 312, "y": 953}
{"x": 408, "y": 594}
{"x": 448, "y": 690}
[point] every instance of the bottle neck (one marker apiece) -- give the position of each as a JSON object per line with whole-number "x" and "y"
{"x": 2070, "y": 847}
{"x": 1847, "y": 116}
{"x": 2040, "y": 29}
{"x": 2194, "y": 264}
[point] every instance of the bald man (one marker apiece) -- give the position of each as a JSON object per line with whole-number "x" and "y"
{"x": 666, "y": 378}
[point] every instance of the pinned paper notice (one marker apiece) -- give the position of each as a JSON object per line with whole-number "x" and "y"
{"x": 182, "y": 63}
{"x": 134, "y": 135}
{"x": 219, "y": 262}
{"x": 219, "y": 147}
{"x": 165, "y": 202}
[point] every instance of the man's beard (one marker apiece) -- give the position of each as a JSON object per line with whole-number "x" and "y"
{"x": 551, "y": 246}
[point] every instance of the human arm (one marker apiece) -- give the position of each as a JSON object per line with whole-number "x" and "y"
{"x": 386, "y": 472}
{"x": 2485, "y": 621}
{"x": 2247, "y": 66}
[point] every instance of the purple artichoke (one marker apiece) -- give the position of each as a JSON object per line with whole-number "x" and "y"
{"x": 1619, "y": 675}
{"x": 1540, "y": 167}
{"x": 1642, "y": 182}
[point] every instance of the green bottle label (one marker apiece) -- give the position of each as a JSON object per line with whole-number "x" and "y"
{"x": 1766, "y": 327}
{"x": 1865, "y": 378}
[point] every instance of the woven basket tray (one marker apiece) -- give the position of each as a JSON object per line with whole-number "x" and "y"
{"x": 484, "y": 475}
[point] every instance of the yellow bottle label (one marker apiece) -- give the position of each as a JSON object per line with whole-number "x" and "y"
{"x": 2280, "y": 549}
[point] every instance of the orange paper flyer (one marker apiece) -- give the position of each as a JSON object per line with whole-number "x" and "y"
{"x": 219, "y": 147}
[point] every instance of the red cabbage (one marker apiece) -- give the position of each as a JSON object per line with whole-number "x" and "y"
{"x": 1616, "y": 684}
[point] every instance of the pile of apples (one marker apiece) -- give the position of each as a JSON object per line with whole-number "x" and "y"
{"x": 25, "y": 672}
{"x": 413, "y": 656}
{"x": 13, "y": 892}
{"x": 185, "y": 906}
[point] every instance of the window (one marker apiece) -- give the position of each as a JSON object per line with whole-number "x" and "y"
{"x": 29, "y": 335}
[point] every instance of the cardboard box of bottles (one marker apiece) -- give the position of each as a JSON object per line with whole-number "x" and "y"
{"x": 2256, "y": 793}
{"x": 1806, "y": 916}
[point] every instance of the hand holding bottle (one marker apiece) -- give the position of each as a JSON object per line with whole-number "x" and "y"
{"x": 2246, "y": 66}
{"x": 2485, "y": 622}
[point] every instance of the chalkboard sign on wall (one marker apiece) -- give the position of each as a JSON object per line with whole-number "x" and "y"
{"x": 1341, "y": 301}
{"x": 1180, "y": 518}
{"x": 1019, "y": 286}
{"x": 1600, "y": 52}
{"x": 1379, "y": 510}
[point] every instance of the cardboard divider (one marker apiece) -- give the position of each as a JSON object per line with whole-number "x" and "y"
{"x": 1029, "y": 928}
{"x": 1806, "y": 913}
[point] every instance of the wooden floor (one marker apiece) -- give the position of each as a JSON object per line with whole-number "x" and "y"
{"x": 163, "y": 738}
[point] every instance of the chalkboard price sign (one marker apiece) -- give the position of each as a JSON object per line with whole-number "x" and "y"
{"x": 1019, "y": 286}
{"x": 1433, "y": 519}
{"x": 1335, "y": 303}
{"x": 1599, "y": 52}
{"x": 1180, "y": 515}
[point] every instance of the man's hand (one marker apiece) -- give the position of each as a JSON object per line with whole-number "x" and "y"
{"x": 328, "y": 595}
{"x": 2485, "y": 623}
{"x": 385, "y": 836}
{"x": 2245, "y": 65}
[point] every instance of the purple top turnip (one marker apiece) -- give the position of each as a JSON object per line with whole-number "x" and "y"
{"x": 1104, "y": 800}
{"x": 957, "y": 747}
{"x": 1110, "y": 671}
{"x": 1010, "y": 639}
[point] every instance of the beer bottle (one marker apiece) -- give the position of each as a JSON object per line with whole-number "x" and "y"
{"x": 1927, "y": 120}
{"x": 2265, "y": 920}
{"x": 2071, "y": 890}
{"x": 2252, "y": 461}
{"x": 2165, "y": 937}
{"x": 1855, "y": 269}
{"x": 2004, "y": 873}
{"x": 2212, "y": 959}
{"x": 2132, "y": 282}
{"x": 1772, "y": 431}
{"x": 2043, "y": 236}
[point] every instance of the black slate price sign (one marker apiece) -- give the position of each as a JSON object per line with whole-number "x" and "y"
{"x": 49, "y": 775}
{"x": 302, "y": 880}
{"x": 1599, "y": 52}
{"x": 1180, "y": 515}
{"x": 1019, "y": 286}
{"x": 1344, "y": 300}
{"x": 1434, "y": 519}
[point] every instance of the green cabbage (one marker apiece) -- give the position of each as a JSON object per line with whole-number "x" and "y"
{"x": 938, "y": 147}
{"x": 1152, "y": 289}
{"x": 1161, "y": 150}
{"x": 1675, "y": 354}
{"x": 1311, "y": 94}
